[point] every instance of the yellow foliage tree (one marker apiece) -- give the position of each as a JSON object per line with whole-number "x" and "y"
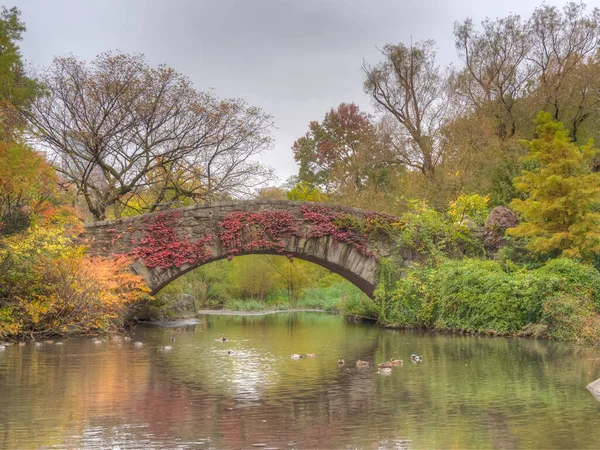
{"x": 561, "y": 212}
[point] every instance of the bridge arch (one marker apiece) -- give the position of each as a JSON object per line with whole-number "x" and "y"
{"x": 167, "y": 244}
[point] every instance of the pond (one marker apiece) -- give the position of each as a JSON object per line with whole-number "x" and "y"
{"x": 246, "y": 392}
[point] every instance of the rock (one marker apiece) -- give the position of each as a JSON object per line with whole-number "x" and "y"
{"x": 496, "y": 224}
{"x": 594, "y": 388}
{"x": 501, "y": 217}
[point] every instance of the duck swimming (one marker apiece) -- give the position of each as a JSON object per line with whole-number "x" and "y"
{"x": 387, "y": 364}
{"x": 296, "y": 356}
{"x": 310, "y": 355}
{"x": 385, "y": 370}
{"x": 341, "y": 362}
{"x": 361, "y": 363}
{"x": 223, "y": 339}
{"x": 415, "y": 358}
{"x": 396, "y": 362}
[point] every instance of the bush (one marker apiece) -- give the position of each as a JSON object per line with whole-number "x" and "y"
{"x": 72, "y": 293}
{"x": 434, "y": 236}
{"x": 488, "y": 296}
{"x": 571, "y": 317}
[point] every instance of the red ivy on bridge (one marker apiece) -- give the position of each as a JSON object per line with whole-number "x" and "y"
{"x": 325, "y": 222}
{"x": 161, "y": 247}
{"x": 267, "y": 230}
{"x": 246, "y": 231}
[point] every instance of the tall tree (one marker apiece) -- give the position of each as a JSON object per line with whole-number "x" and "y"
{"x": 411, "y": 90}
{"x": 118, "y": 127}
{"x": 562, "y": 45}
{"x": 514, "y": 68}
{"x": 561, "y": 209}
{"x": 497, "y": 69}
{"x": 342, "y": 150}
{"x": 16, "y": 89}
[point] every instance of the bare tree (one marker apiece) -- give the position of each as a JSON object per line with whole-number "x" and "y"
{"x": 497, "y": 71}
{"x": 410, "y": 89}
{"x": 118, "y": 127}
{"x": 547, "y": 62}
{"x": 563, "y": 44}
{"x": 223, "y": 170}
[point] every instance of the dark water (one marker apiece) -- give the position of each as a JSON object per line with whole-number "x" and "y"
{"x": 469, "y": 392}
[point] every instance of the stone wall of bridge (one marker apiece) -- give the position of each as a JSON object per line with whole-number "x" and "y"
{"x": 164, "y": 245}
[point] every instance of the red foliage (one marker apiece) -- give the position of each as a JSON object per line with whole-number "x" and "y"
{"x": 266, "y": 230}
{"x": 161, "y": 247}
{"x": 243, "y": 232}
{"x": 323, "y": 223}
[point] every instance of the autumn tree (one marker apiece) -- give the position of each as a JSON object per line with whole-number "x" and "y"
{"x": 16, "y": 89}
{"x": 118, "y": 127}
{"x": 497, "y": 69}
{"x": 342, "y": 150}
{"x": 563, "y": 195}
{"x": 513, "y": 68}
{"x": 562, "y": 46}
{"x": 306, "y": 192}
{"x": 27, "y": 187}
{"x": 411, "y": 90}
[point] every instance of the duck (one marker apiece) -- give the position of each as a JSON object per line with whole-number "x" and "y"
{"x": 97, "y": 341}
{"x": 387, "y": 364}
{"x": 49, "y": 342}
{"x": 361, "y": 363}
{"x": 223, "y": 339}
{"x": 396, "y": 362}
{"x": 138, "y": 344}
{"x": 60, "y": 343}
{"x": 166, "y": 348}
{"x": 2, "y": 347}
{"x": 38, "y": 344}
{"x": 22, "y": 344}
{"x": 385, "y": 370}
{"x": 296, "y": 356}
{"x": 172, "y": 337}
{"x": 341, "y": 362}
{"x": 416, "y": 358}
{"x": 310, "y": 355}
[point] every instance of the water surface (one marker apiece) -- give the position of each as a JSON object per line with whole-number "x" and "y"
{"x": 469, "y": 392}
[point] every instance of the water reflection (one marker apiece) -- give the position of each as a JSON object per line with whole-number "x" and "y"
{"x": 469, "y": 392}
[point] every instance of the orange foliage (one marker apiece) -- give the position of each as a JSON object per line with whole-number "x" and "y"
{"x": 75, "y": 293}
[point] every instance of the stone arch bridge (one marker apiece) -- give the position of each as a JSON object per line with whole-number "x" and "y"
{"x": 165, "y": 245}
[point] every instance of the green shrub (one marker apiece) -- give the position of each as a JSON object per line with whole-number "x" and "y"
{"x": 405, "y": 307}
{"x": 489, "y": 296}
{"x": 480, "y": 295}
{"x": 434, "y": 236}
{"x": 571, "y": 317}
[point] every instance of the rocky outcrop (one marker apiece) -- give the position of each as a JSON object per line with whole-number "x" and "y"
{"x": 594, "y": 388}
{"x": 498, "y": 221}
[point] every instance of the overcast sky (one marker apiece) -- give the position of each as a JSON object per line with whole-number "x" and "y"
{"x": 294, "y": 59}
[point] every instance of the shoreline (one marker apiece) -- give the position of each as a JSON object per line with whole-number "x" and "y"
{"x": 228, "y": 312}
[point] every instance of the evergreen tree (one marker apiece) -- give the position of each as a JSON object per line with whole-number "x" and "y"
{"x": 561, "y": 214}
{"x": 16, "y": 89}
